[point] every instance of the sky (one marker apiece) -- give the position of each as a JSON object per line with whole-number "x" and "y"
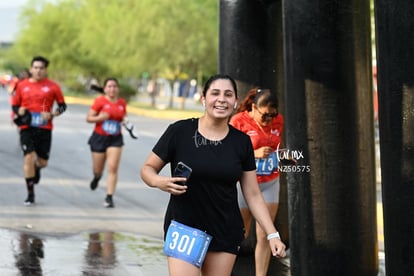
{"x": 9, "y": 14}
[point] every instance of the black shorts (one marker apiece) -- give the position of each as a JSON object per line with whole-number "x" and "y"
{"x": 99, "y": 143}
{"x": 36, "y": 139}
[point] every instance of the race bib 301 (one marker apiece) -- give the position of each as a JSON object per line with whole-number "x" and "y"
{"x": 186, "y": 243}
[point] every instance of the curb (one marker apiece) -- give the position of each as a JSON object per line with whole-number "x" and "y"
{"x": 154, "y": 113}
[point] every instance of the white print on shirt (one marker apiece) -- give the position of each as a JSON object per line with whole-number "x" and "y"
{"x": 201, "y": 141}
{"x": 254, "y": 132}
{"x": 275, "y": 132}
{"x": 45, "y": 89}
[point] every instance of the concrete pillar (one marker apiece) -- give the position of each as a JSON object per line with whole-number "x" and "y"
{"x": 250, "y": 43}
{"x": 251, "y": 51}
{"x": 395, "y": 56}
{"x": 329, "y": 119}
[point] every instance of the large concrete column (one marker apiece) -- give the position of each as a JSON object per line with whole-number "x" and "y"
{"x": 250, "y": 43}
{"x": 251, "y": 50}
{"x": 395, "y": 64}
{"x": 329, "y": 119}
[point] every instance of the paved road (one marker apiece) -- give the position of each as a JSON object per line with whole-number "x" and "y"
{"x": 65, "y": 206}
{"x": 64, "y": 187}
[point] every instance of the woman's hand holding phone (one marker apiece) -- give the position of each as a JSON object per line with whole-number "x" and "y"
{"x": 183, "y": 171}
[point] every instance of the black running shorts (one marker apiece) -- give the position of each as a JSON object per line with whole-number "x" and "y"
{"x": 36, "y": 139}
{"x": 99, "y": 143}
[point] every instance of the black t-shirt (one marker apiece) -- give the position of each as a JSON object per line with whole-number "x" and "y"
{"x": 210, "y": 203}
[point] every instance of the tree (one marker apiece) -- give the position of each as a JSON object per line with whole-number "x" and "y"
{"x": 121, "y": 37}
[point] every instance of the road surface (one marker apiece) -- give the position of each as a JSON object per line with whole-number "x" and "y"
{"x": 66, "y": 209}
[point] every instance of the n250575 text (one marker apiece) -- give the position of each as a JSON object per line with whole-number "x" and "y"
{"x": 294, "y": 168}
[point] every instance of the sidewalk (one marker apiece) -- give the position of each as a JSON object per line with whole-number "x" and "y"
{"x": 192, "y": 108}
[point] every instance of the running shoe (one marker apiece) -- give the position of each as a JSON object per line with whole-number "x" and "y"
{"x": 37, "y": 175}
{"x": 94, "y": 183}
{"x": 108, "y": 203}
{"x": 29, "y": 200}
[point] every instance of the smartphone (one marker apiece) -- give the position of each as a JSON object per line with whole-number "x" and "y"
{"x": 182, "y": 170}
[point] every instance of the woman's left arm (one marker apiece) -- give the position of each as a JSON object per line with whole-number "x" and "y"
{"x": 258, "y": 208}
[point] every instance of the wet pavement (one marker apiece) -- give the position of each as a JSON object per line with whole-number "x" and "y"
{"x": 68, "y": 231}
{"x": 102, "y": 253}
{"x": 106, "y": 253}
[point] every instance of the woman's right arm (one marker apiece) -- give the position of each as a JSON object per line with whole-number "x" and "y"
{"x": 94, "y": 117}
{"x": 150, "y": 175}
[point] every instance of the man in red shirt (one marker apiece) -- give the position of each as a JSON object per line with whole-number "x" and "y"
{"x": 32, "y": 104}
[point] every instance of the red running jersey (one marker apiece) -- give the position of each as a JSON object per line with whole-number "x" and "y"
{"x": 270, "y": 136}
{"x": 116, "y": 111}
{"x": 38, "y": 97}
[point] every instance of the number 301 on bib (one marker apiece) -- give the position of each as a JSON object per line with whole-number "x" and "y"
{"x": 186, "y": 243}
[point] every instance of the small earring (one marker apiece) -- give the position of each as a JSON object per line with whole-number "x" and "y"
{"x": 204, "y": 103}
{"x": 235, "y": 105}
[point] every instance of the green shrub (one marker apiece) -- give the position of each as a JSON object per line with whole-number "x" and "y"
{"x": 126, "y": 91}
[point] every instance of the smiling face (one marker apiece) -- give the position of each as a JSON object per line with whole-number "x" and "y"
{"x": 220, "y": 99}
